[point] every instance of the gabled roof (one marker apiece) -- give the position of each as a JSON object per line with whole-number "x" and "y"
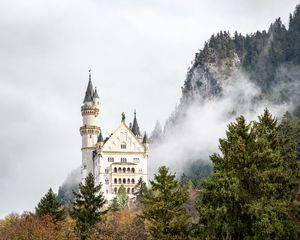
{"x": 114, "y": 136}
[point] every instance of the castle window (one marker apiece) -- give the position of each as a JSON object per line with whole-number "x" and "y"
{"x": 132, "y": 170}
{"x": 128, "y": 190}
{"x": 124, "y": 170}
{"x": 132, "y": 181}
{"x": 119, "y": 169}
{"x": 123, "y": 145}
{"x": 123, "y": 160}
{"x": 124, "y": 180}
{"x": 115, "y": 190}
{"x": 128, "y": 170}
{"x": 116, "y": 181}
{"x": 106, "y": 181}
{"x": 110, "y": 159}
{"x": 136, "y": 160}
{"x": 106, "y": 170}
{"x": 128, "y": 181}
{"x": 120, "y": 181}
{"x": 115, "y": 170}
{"x": 132, "y": 190}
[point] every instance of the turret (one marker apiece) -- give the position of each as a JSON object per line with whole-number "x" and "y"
{"x": 90, "y": 129}
{"x": 135, "y": 127}
{"x": 100, "y": 141}
{"x": 146, "y": 143}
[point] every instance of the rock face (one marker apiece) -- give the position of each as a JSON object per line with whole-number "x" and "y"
{"x": 206, "y": 81}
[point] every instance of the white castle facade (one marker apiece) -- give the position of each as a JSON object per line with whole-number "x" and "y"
{"x": 120, "y": 159}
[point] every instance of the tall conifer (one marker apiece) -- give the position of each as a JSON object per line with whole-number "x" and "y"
{"x": 87, "y": 206}
{"x": 165, "y": 216}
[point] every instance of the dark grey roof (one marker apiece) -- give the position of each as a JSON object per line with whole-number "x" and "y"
{"x": 100, "y": 138}
{"x": 95, "y": 95}
{"x": 135, "y": 127}
{"x": 89, "y": 90}
{"x": 145, "y": 139}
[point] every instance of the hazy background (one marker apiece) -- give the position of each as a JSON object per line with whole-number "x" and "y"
{"x": 138, "y": 51}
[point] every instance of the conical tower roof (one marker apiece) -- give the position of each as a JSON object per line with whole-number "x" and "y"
{"x": 89, "y": 90}
{"x": 145, "y": 139}
{"x": 135, "y": 127}
{"x": 95, "y": 95}
{"x": 100, "y": 138}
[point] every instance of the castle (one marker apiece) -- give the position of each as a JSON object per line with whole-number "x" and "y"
{"x": 120, "y": 159}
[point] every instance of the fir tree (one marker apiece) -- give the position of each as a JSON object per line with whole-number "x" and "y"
{"x": 249, "y": 193}
{"x": 50, "y": 205}
{"x": 164, "y": 214}
{"x": 141, "y": 190}
{"x": 87, "y": 206}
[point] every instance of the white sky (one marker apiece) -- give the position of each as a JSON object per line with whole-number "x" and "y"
{"x": 139, "y": 52}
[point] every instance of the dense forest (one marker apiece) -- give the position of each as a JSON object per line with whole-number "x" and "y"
{"x": 270, "y": 58}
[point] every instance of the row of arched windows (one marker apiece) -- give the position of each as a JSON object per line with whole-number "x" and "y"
{"x": 124, "y": 170}
{"x": 129, "y": 190}
{"x": 124, "y": 181}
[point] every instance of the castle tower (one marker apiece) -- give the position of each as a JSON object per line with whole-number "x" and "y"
{"x": 90, "y": 129}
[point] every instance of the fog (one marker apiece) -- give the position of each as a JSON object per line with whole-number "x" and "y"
{"x": 197, "y": 134}
{"x": 138, "y": 51}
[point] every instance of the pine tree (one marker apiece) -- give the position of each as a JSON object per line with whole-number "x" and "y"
{"x": 50, "y": 205}
{"x": 121, "y": 200}
{"x": 87, "y": 206}
{"x": 165, "y": 217}
{"x": 250, "y": 191}
{"x": 141, "y": 190}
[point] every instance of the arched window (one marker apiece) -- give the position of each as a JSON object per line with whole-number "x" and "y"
{"x": 132, "y": 190}
{"x": 124, "y": 180}
{"x": 123, "y": 145}
{"x": 128, "y": 170}
{"x": 124, "y": 170}
{"x": 115, "y": 170}
{"x": 115, "y": 190}
{"x": 106, "y": 181}
{"x": 128, "y": 190}
{"x": 132, "y": 181}
{"x": 119, "y": 169}
{"x": 128, "y": 181}
{"x": 120, "y": 181}
{"x": 132, "y": 169}
{"x": 116, "y": 181}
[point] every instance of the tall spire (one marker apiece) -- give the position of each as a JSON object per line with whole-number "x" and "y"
{"x": 145, "y": 139}
{"x": 95, "y": 95}
{"x": 135, "y": 127}
{"x": 89, "y": 90}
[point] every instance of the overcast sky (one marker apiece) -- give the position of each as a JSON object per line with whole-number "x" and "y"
{"x": 139, "y": 52}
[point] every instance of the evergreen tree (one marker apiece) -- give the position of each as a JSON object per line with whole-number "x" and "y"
{"x": 50, "y": 205}
{"x": 87, "y": 206}
{"x": 121, "y": 200}
{"x": 141, "y": 190}
{"x": 184, "y": 182}
{"x": 249, "y": 194}
{"x": 164, "y": 214}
